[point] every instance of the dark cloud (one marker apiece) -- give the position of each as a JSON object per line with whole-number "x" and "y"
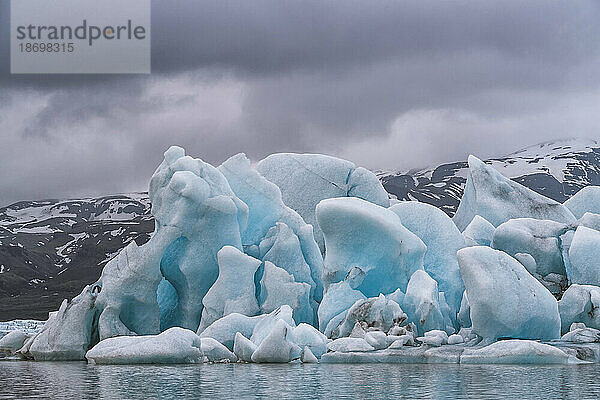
{"x": 361, "y": 79}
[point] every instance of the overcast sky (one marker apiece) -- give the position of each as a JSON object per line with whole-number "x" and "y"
{"x": 389, "y": 85}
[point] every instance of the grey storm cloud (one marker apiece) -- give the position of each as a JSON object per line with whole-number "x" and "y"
{"x": 357, "y": 79}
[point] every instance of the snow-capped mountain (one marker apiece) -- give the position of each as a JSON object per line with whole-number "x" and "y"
{"x": 50, "y": 249}
{"x": 555, "y": 169}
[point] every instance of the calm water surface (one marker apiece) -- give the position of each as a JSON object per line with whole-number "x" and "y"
{"x": 23, "y": 380}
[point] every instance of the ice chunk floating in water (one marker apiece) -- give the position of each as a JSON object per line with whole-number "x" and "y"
{"x": 235, "y": 272}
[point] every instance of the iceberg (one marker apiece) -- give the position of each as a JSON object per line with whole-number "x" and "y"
{"x": 173, "y": 346}
{"x": 308, "y": 337}
{"x": 233, "y": 291}
{"x": 275, "y": 347}
{"x": 13, "y": 341}
{"x": 421, "y": 303}
{"x": 306, "y": 179}
{"x": 194, "y": 197}
{"x": 68, "y": 334}
{"x": 443, "y": 240}
{"x": 587, "y": 199}
{"x": 582, "y": 335}
{"x": 266, "y": 323}
{"x": 497, "y": 199}
{"x": 349, "y": 344}
{"x": 368, "y": 243}
{"x": 580, "y": 303}
{"x": 539, "y": 238}
{"x": 590, "y": 220}
{"x": 584, "y": 255}
{"x": 375, "y": 313}
{"x": 278, "y": 288}
{"x": 266, "y": 210}
{"x": 243, "y": 347}
{"x": 338, "y": 298}
{"x": 517, "y": 352}
{"x": 479, "y": 232}
{"x": 234, "y": 271}
{"x": 505, "y": 300}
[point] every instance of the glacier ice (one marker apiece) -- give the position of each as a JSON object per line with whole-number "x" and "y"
{"x": 421, "y": 303}
{"x": 236, "y": 256}
{"x": 368, "y": 243}
{"x": 539, "y": 238}
{"x": 377, "y": 313}
{"x": 505, "y": 300}
{"x": 587, "y": 199}
{"x": 584, "y": 255}
{"x": 13, "y": 341}
{"x": 590, "y": 220}
{"x": 278, "y": 288}
{"x": 224, "y": 329}
{"x": 269, "y": 223}
{"x": 306, "y": 179}
{"x": 68, "y": 334}
{"x": 580, "y": 303}
{"x": 233, "y": 291}
{"x": 266, "y": 323}
{"x": 455, "y": 339}
{"x": 213, "y": 351}
{"x": 275, "y": 347}
{"x": 464, "y": 314}
{"x": 243, "y": 347}
{"x": 581, "y": 335}
{"x": 517, "y": 352}
{"x": 479, "y": 232}
{"x": 434, "y": 337}
{"x": 194, "y": 197}
{"x": 349, "y": 344}
{"x": 308, "y": 337}
{"x": 497, "y": 199}
{"x": 173, "y": 346}
{"x": 308, "y": 357}
{"x": 282, "y": 248}
{"x": 443, "y": 240}
{"x": 338, "y": 298}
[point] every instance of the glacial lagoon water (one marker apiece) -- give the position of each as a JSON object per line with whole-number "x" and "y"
{"x": 76, "y": 380}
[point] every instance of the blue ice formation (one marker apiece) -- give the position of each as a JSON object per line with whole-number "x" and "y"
{"x": 584, "y": 255}
{"x": 505, "y": 300}
{"x": 234, "y": 290}
{"x": 338, "y": 299}
{"x": 542, "y": 239}
{"x": 580, "y": 304}
{"x": 367, "y": 244}
{"x": 301, "y": 258}
{"x": 587, "y": 199}
{"x": 443, "y": 240}
{"x": 479, "y": 232}
{"x": 590, "y": 220}
{"x": 278, "y": 288}
{"x": 377, "y": 312}
{"x": 422, "y": 303}
{"x": 498, "y": 199}
{"x": 306, "y": 179}
{"x": 517, "y": 352}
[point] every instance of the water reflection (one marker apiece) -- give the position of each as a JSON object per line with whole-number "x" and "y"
{"x": 20, "y": 380}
